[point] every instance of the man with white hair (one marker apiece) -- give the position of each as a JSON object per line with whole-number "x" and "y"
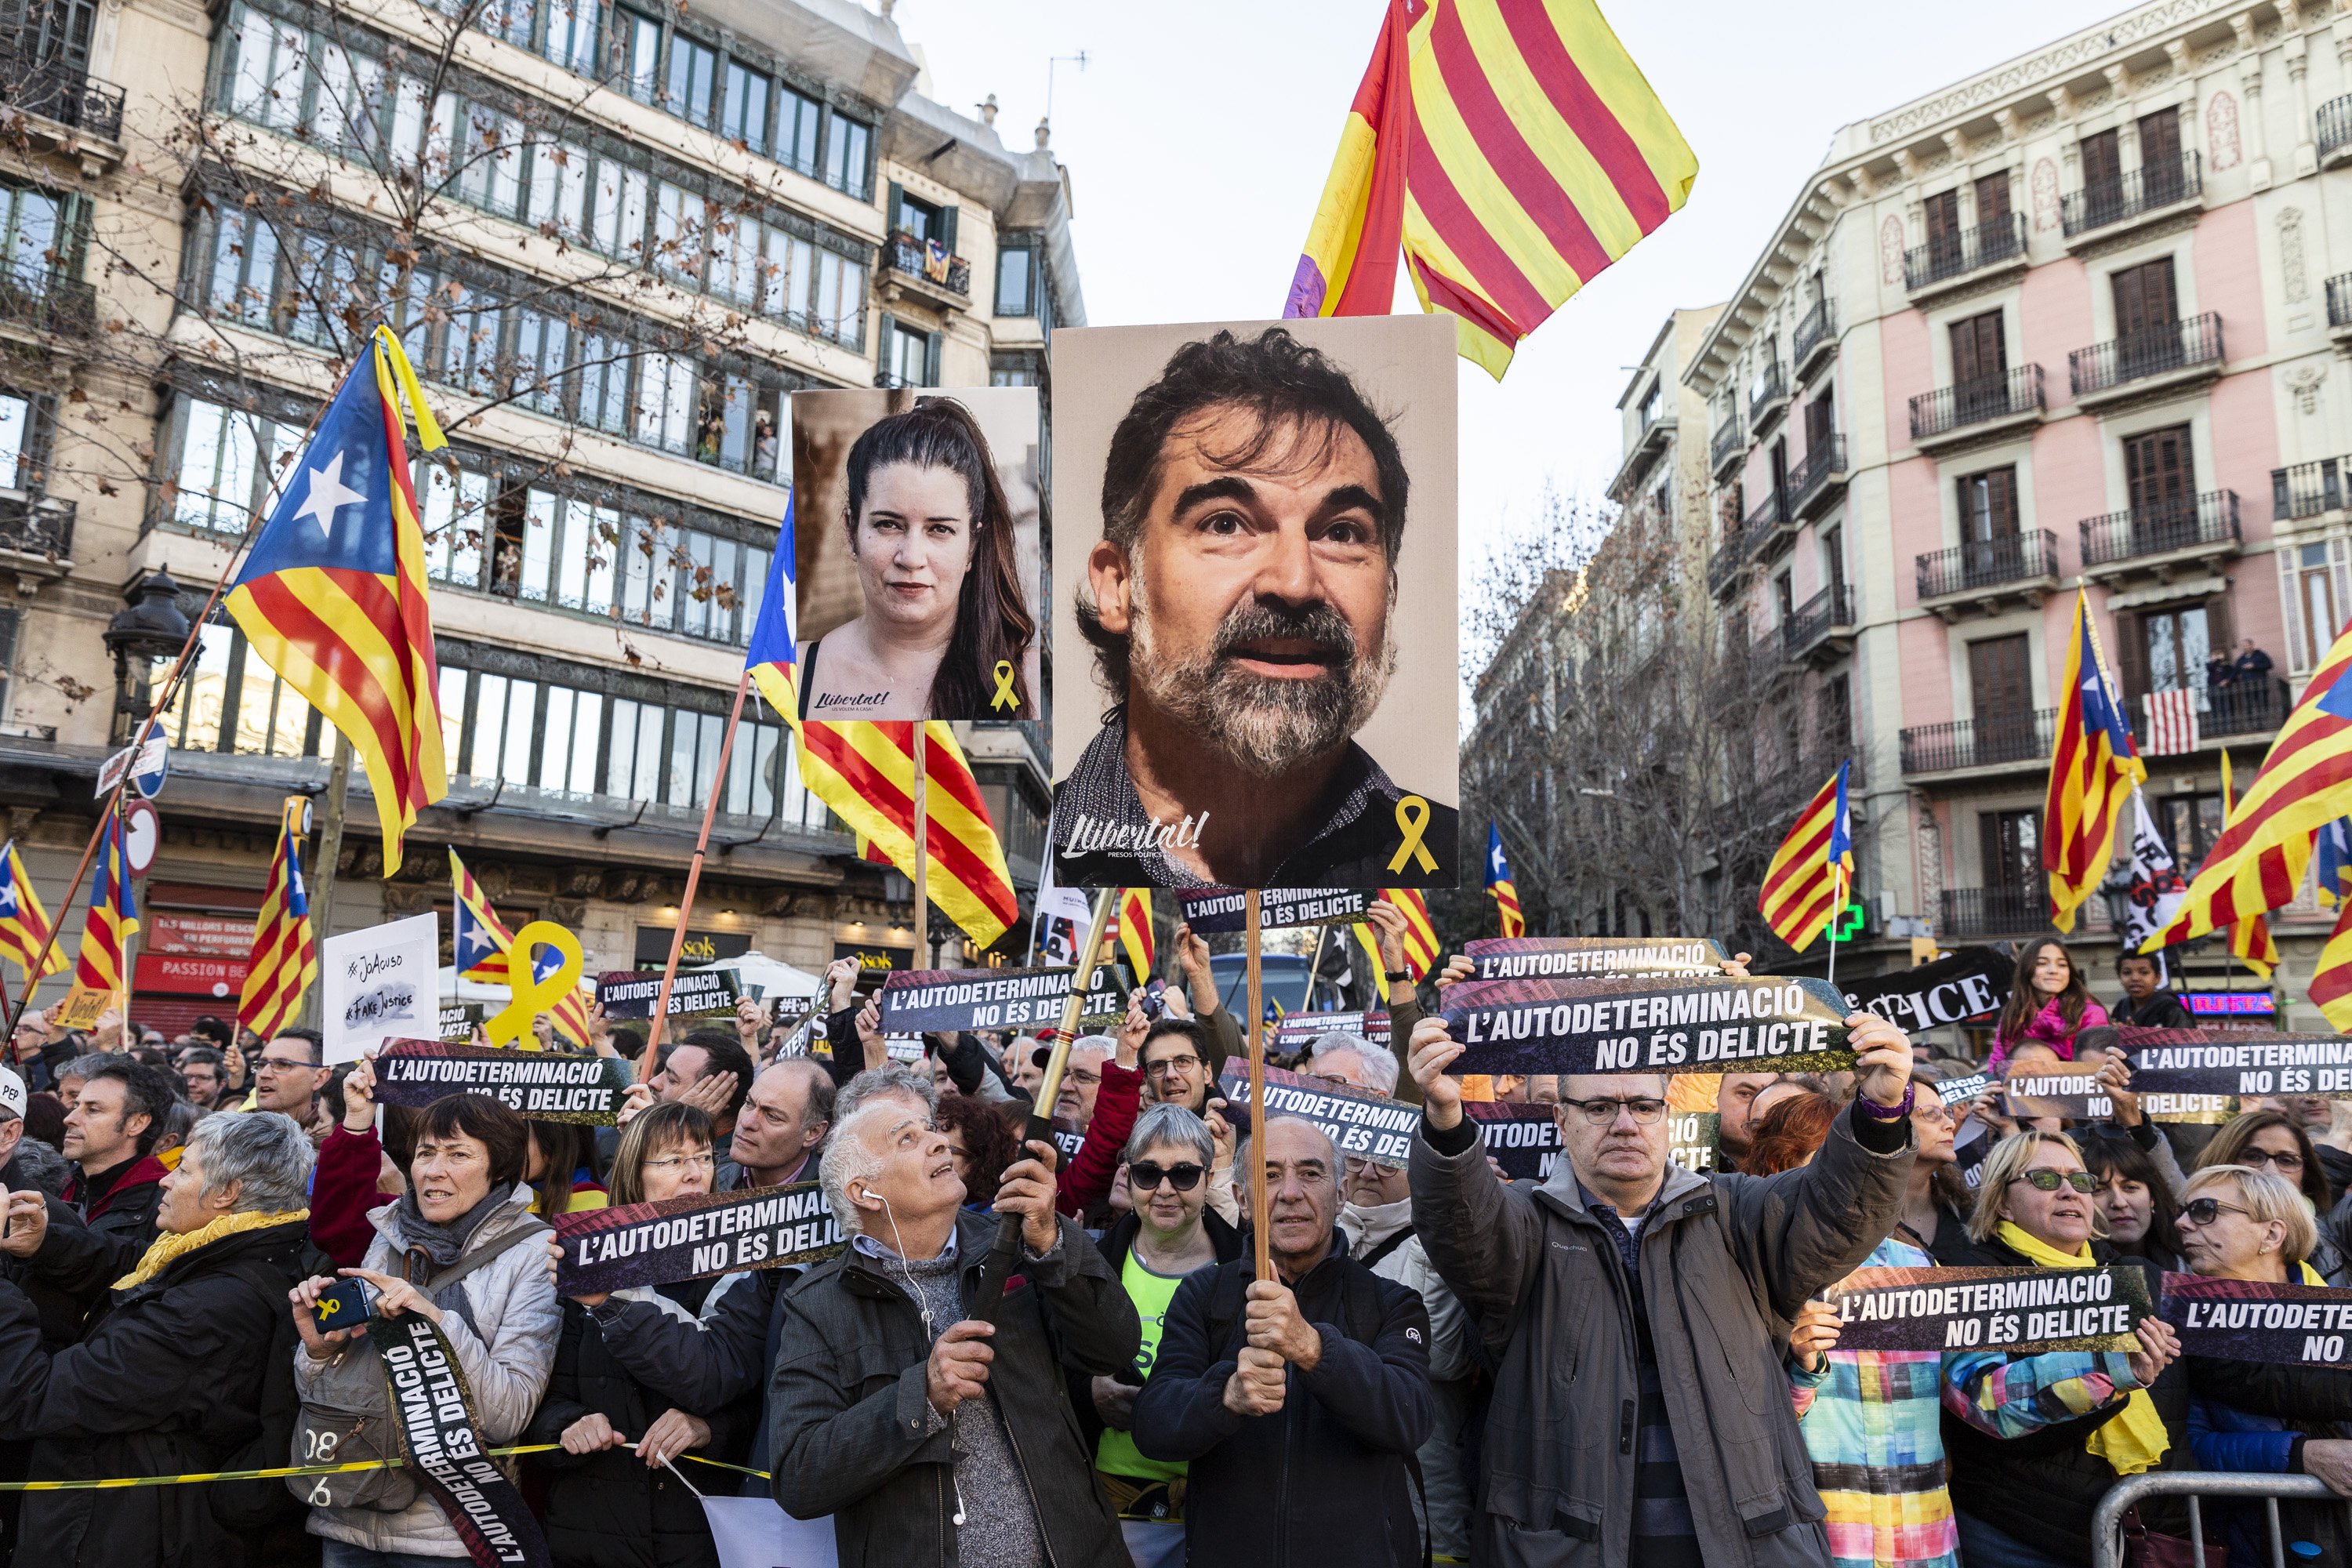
{"x": 933, "y": 1439}
{"x": 169, "y": 1375}
{"x": 1351, "y": 1062}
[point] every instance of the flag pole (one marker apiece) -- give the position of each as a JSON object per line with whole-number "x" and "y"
{"x": 1837, "y": 913}
{"x": 998, "y": 1266}
{"x": 693, "y": 881}
{"x": 1253, "y": 927}
{"x": 157, "y": 706}
{"x": 922, "y": 846}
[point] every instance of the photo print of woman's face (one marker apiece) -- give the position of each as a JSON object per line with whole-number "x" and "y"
{"x": 917, "y": 555}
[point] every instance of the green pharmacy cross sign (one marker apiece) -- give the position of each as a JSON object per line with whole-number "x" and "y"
{"x": 1848, "y": 923}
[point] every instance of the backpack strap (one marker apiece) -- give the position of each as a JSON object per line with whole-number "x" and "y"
{"x": 1395, "y": 1239}
{"x": 529, "y": 1230}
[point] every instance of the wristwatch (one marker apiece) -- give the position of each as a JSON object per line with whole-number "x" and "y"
{"x": 1393, "y": 975}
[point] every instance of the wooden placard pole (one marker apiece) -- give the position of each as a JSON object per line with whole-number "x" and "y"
{"x": 1260, "y": 1225}
{"x": 1006, "y": 1248}
{"x": 655, "y": 1025}
{"x": 922, "y": 849}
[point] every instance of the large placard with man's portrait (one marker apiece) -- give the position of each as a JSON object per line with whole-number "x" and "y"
{"x": 1255, "y": 609}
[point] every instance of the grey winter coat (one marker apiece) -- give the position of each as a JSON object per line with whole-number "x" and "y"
{"x": 502, "y": 1322}
{"x": 1725, "y": 1261}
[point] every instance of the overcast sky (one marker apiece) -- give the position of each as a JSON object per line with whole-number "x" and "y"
{"x": 1198, "y": 139}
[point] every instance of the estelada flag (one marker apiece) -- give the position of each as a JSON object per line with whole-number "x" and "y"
{"x": 112, "y": 917}
{"x": 1510, "y": 148}
{"x": 285, "y": 961}
{"x": 24, "y": 923}
{"x": 2093, "y": 767}
{"x": 2249, "y": 937}
{"x": 332, "y": 596}
{"x": 1812, "y": 866}
{"x": 1499, "y": 883}
{"x": 2331, "y": 978}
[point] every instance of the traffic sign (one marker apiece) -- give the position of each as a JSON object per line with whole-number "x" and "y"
{"x": 153, "y": 759}
{"x": 142, "y": 834}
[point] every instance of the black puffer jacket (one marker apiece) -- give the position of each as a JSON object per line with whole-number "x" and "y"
{"x": 119, "y": 1225}
{"x": 166, "y": 1380}
{"x": 2043, "y": 1487}
{"x": 607, "y": 1510}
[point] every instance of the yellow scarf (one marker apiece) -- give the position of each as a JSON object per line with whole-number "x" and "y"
{"x": 2135, "y": 1440}
{"x": 2310, "y": 1275}
{"x": 168, "y": 1248}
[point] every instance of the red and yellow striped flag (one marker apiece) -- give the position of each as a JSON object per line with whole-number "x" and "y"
{"x": 865, "y": 773}
{"x": 107, "y": 926}
{"x": 1511, "y": 147}
{"x": 24, "y": 923}
{"x": 2331, "y": 979}
{"x": 1811, "y": 871}
{"x": 285, "y": 955}
{"x": 2250, "y": 936}
{"x": 1135, "y": 930}
{"x": 1421, "y": 943}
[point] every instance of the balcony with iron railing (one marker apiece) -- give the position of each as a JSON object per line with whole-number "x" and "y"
{"x": 2243, "y": 706}
{"x": 1968, "y": 411}
{"x": 1729, "y": 440}
{"x": 2163, "y": 534}
{"x": 36, "y": 538}
{"x": 2335, "y": 125}
{"x": 1986, "y": 573}
{"x": 2160, "y": 358}
{"x": 2302, "y": 490}
{"x": 1821, "y": 627}
{"x": 1819, "y": 479}
{"x": 1816, "y": 335}
{"x": 61, "y": 94}
{"x": 1995, "y": 741}
{"x": 1959, "y": 257}
{"x": 1768, "y": 396}
{"x": 904, "y": 256}
{"x": 1650, "y": 440}
{"x": 44, "y": 304}
{"x": 1759, "y": 530}
{"x": 2108, "y": 209}
{"x": 2016, "y": 910}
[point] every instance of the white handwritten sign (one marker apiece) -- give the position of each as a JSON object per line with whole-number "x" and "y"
{"x": 378, "y": 983}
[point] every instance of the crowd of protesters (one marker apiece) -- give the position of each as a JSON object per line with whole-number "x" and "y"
{"x": 1627, "y": 1362}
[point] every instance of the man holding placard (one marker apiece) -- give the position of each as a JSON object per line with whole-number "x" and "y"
{"x": 1697, "y": 1457}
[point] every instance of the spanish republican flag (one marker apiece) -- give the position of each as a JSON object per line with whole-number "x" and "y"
{"x": 1510, "y": 148}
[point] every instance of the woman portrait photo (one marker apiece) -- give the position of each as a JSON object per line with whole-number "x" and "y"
{"x": 917, "y": 553}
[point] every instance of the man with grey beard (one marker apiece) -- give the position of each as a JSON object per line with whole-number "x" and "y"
{"x": 1239, "y": 605}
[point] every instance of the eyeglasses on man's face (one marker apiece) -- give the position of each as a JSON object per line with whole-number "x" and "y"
{"x": 1602, "y": 1112}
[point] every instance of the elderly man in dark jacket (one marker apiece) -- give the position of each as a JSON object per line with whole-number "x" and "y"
{"x": 1297, "y": 1400}
{"x": 935, "y": 1440}
{"x": 1639, "y": 1313}
{"x": 169, "y": 1377}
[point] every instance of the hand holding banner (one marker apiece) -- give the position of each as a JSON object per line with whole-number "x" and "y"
{"x": 2245, "y": 1320}
{"x": 543, "y": 1086}
{"x": 2032, "y": 1309}
{"x": 693, "y": 1237}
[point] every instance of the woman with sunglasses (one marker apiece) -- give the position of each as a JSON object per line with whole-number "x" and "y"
{"x": 2275, "y": 1141}
{"x": 1170, "y": 1232}
{"x": 2039, "y": 1439}
{"x": 2240, "y": 1223}
{"x": 610, "y": 1501}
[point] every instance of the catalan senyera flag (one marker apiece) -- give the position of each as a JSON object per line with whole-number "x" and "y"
{"x": 333, "y": 595}
{"x": 865, "y": 773}
{"x": 2258, "y": 862}
{"x": 24, "y": 923}
{"x": 1499, "y": 883}
{"x": 1135, "y": 930}
{"x": 2331, "y": 978}
{"x": 285, "y": 964}
{"x": 1419, "y": 938}
{"x": 113, "y": 919}
{"x": 1510, "y": 148}
{"x": 1806, "y": 882}
{"x": 481, "y": 942}
{"x": 2094, "y": 768}
{"x": 2250, "y": 935}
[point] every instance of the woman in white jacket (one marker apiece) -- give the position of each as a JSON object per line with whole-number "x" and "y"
{"x": 460, "y": 1247}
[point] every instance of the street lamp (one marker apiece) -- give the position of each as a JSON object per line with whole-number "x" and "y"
{"x": 153, "y": 627}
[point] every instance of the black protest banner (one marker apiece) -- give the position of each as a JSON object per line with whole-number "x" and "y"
{"x": 1954, "y": 1091}
{"x": 692, "y": 1238}
{"x": 945, "y": 1001}
{"x": 1694, "y": 1139}
{"x": 2244, "y": 1319}
{"x": 1703, "y": 1024}
{"x": 1591, "y": 957}
{"x": 631, "y": 994}
{"x": 1067, "y": 1142}
{"x": 2033, "y": 1309}
{"x": 2081, "y": 1097}
{"x": 1523, "y": 1139}
{"x": 459, "y": 1020}
{"x": 434, "y": 1410}
{"x": 1968, "y": 1154}
{"x": 1367, "y": 1126}
{"x": 2209, "y": 1063}
{"x": 1208, "y": 910}
{"x": 1294, "y": 1032}
{"x": 1969, "y": 985}
{"x": 544, "y": 1086}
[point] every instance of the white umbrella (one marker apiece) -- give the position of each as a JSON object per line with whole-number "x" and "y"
{"x": 759, "y": 975}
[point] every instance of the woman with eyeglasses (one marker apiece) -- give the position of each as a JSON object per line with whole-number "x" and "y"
{"x": 2275, "y": 1141}
{"x": 610, "y": 1502}
{"x": 2243, "y": 1222}
{"x": 1170, "y": 1232}
{"x": 2035, "y": 1441}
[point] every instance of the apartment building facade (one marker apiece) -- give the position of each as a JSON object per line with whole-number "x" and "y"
{"x": 613, "y": 242}
{"x": 2078, "y": 319}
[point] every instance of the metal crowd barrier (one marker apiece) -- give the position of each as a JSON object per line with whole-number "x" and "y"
{"x": 2107, "y": 1527}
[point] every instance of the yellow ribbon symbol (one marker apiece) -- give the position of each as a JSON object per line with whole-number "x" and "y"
{"x": 511, "y": 1023}
{"x": 329, "y": 1307}
{"x": 1412, "y": 821}
{"x": 1004, "y": 697}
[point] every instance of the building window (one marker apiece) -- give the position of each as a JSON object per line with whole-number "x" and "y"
{"x": 229, "y": 700}
{"x": 746, "y": 118}
{"x": 1988, "y": 505}
{"x": 848, "y": 155}
{"x": 572, "y": 34}
{"x": 693, "y": 78}
{"x": 2189, "y": 823}
{"x": 219, "y": 476}
{"x": 1013, "y": 369}
{"x": 35, "y": 235}
{"x": 637, "y": 54}
{"x": 799, "y": 122}
{"x": 23, "y": 421}
{"x": 1016, "y": 281}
